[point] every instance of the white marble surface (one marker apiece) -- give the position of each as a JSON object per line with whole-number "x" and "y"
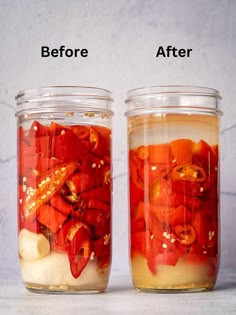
{"x": 122, "y": 38}
{"x": 121, "y": 298}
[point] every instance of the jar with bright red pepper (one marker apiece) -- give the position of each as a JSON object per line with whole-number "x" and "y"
{"x": 64, "y": 188}
{"x": 173, "y": 139}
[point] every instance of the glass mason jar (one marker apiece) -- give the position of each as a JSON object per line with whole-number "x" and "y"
{"x": 173, "y": 138}
{"x": 64, "y": 188}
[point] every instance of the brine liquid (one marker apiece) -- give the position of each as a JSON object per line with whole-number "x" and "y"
{"x": 174, "y": 201}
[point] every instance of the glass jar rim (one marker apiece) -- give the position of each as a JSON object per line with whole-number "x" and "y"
{"x": 58, "y": 97}
{"x": 171, "y": 89}
{"x": 172, "y": 98}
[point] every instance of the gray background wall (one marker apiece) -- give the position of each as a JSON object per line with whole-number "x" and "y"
{"x": 122, "y": 38}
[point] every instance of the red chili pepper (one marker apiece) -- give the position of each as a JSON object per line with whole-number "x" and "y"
{"x": 47, "y": 185}
{"x": 171, "y": 215}
{"x": 98, "y": 204}
{"x": 102, "y": 246}
{"x": 185, "y": 234}
{"x": 160, "y": 153}
{"x": 50, "y": 217}
{"x": 143, "y": 152}
{"x": 188, "y": 188}
{"x": 192, "y": 203}
{"x": 79, "y": 248}
{"x": 81, "y": 182}
{"x": 100, "y": 138}
{"x": 67, "y": 147}
{"x": 82, "y": 132}
{"x": 94, "y": 217}
{"x": 182, "y": 150}
{"x": 193, "y": 173}
{"x": 58, "y": 202}
{"x": 102, "y": 193}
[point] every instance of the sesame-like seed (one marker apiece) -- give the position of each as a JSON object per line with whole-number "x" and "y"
{"x": 33, "y": 204}
{"x": 168, "y": 236}
{"x": 164, "y": 245}
{"x": 20, "y": 201}
{"x": 153, "y": 168}
{"x": 24, "y": 188}
{"x": 173, "y": 240}
{"x": 204, "y": 252}
{"x": 24, "y": 179}
{"x": 48, "y": 192}
{"x": 195, "y": 174}
{"x": 92, "y": 256}
{"x": 40, "y": 185}
{"x": 216, "y": 168}
{"x": 63, "y": 132}
{"x": 182, "y": 175}
{"x": 99, "y": 165}
{"x": 56, "y": 172}
{"x": 164, "y": 233}
{"x": 152, "y": 237}
{"x": 43, "y": 182}
{"x": 102, "y": 162}
{"x": 48, "y": 179}
{"x": 35, "y": 128}
{"x": 63, "y": 169}
{"x": 43, "y": 196}
{"x": 201, "y": 189}
{"x": 174, "y": 161}
{"x": 94, "y": 165}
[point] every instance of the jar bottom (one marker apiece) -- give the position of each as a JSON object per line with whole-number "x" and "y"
{"x": 174, "y": 290}
{"x": 64, "y": 289}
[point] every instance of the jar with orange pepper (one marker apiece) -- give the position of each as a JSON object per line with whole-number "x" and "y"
{"x": 64, "y": 188}
{"x": 173, "y": 139}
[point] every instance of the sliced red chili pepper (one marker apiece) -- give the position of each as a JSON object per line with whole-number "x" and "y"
{"x": 192, "y": 203}
{"x": 94, "y": 217}
{"x": 100, "y": 138}
{"x": 204, "y": 156}
{"x": 38, "y": 130}
{"x": 185, "y": 234}
{"x": 81, "y": 182}
{"x": 136, "y": 194}
{"x": 79, "y": 249}
{"x": 182, "y": 150}
{"x": 191, "y": 172}
{"x": 49, "y": 184}
{"x": 50, "y": 217}
{"x": 140, "y": 241}
{"x": 82, "y": 132}
{"x": 205, "y": 224}
{"x": 160, "y": 192}
{"x": 98, "y": 204}
{"x": 100, "y": 231}
{"x": 102, "y": 193}
{"x": 137, "y": 225}
{"x": 189, "y": 188}
{"x": 41, "y": 145}
{"x": 171, "y": 215}
{"x": 67, "y": 147}
{"x": 143, "y": 152}
{"x": 101, "y": 246}
{"x": 58, "y": 202}
{"x": 149, "y": 173}
{"x": 167, "y": 258}
{"x": 160, "y": 153}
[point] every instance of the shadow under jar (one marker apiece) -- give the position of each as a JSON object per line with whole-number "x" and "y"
{"x": 173, "y": 138}
{"x": 64, "y": 188}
